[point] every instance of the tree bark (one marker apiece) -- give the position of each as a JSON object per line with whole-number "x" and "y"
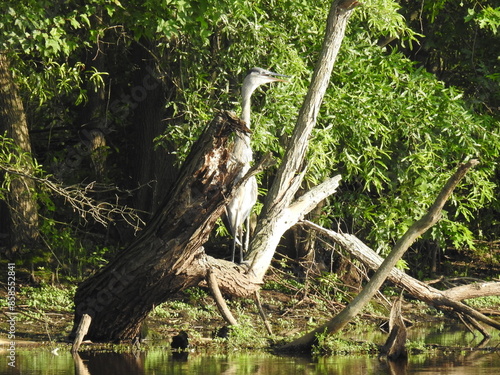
{"x": 168, "y": 255}
{"x": 21, "y": 201}
{"x": 306, "y": 342}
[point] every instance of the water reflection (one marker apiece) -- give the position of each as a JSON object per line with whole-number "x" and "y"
{"x": 160, "y": 360}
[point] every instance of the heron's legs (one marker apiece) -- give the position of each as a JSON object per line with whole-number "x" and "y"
{"x": 238, "y": 241}
{"x": 234, "y": 247}
{"x": 247, "y": 237}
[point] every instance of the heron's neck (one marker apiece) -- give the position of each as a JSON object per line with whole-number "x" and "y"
{"x": 242, "y": 150}
{"x": 246, "y": 106}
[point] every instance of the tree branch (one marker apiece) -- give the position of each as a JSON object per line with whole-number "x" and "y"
{"x": 219, "y": 300}
{"x": 306, "y": 342}
{"x": 424, "y": 292}
{"x": 274, "y": 221}
{"x": 79, "y": 199}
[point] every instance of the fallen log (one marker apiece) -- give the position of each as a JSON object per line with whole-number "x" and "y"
{"x": 437, "y": 298}
{"x": 474, "y": 290}
{"x": 334, "y": 325}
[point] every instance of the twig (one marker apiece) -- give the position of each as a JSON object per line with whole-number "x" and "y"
{"x": 262, "y": 313}
{"x": 83, "y": 204}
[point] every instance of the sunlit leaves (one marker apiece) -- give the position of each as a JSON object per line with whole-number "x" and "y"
{"x": 383, "y": 19}
{"x": 396, "y": 134}
{"x": 486, "y": 18}
{"x": 55, "y": 80}
{"x": 392, "y": 130}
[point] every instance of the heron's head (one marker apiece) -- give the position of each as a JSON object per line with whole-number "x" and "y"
{"x": 259, "y": 76}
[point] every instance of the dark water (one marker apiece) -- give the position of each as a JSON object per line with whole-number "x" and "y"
{"x": 161, "y": 361}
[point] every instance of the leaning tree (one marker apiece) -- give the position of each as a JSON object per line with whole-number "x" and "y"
{"x": 168, "y": 255}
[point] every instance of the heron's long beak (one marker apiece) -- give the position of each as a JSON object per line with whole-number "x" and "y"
{"x": 273, "y": 77}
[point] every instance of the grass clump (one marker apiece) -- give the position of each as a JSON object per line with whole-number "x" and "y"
{"x": 337, "y": 345}
{"x": 49, "y": 298}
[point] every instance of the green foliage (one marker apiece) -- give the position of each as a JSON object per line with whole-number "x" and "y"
{"x": 180, "y": 309}
{"x": 336, "y": 345}
{"x": 489, "y": 302}
{"x": 41, "y": 37}
{"x": 383, "y": 18}
{"x": 456, "y": 46}
{"x": 196, "y": 294}
{"x": 417, "y": 346}
{"x": 45, "y": 29}
{"x": 486, "y": 18}
{"x": 243, "y": 337}
{"x": 68, "y": 254}
{"x": 392, "y": 130}
{"x": 64, "y": 249}
{"x": 284, "y": 285}
{"x": 331, "y": 288}
{"x": 16, "y": 162}
{"x": 61, "y": 79}
{"x": 396, "y": 134}
{"x": 49, "y": 298}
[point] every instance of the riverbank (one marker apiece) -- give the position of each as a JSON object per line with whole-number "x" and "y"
{"x": 44, "y": 316}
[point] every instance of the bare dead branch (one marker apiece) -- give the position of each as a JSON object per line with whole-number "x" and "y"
{"x": 306, "y": 342}
{"x": 82, "y": 203}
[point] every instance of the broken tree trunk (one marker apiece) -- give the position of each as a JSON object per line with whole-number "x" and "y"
{"x": 168, "y": 255}
{"x": 306, "y": 342}
{"x": 81, "y": 331}
{"x": 395, "y": 346}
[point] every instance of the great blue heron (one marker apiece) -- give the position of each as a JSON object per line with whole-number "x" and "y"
{"x": 239, "y": 208}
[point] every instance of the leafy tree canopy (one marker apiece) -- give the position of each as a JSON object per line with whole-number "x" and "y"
{"x": 392, "y": 128}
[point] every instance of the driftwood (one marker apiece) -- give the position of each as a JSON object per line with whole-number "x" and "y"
{"x": 306, "y": 342}
{"x": 437, "y": 298}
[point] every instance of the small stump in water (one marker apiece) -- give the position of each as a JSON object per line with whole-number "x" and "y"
{"x": 395, "y": 346}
